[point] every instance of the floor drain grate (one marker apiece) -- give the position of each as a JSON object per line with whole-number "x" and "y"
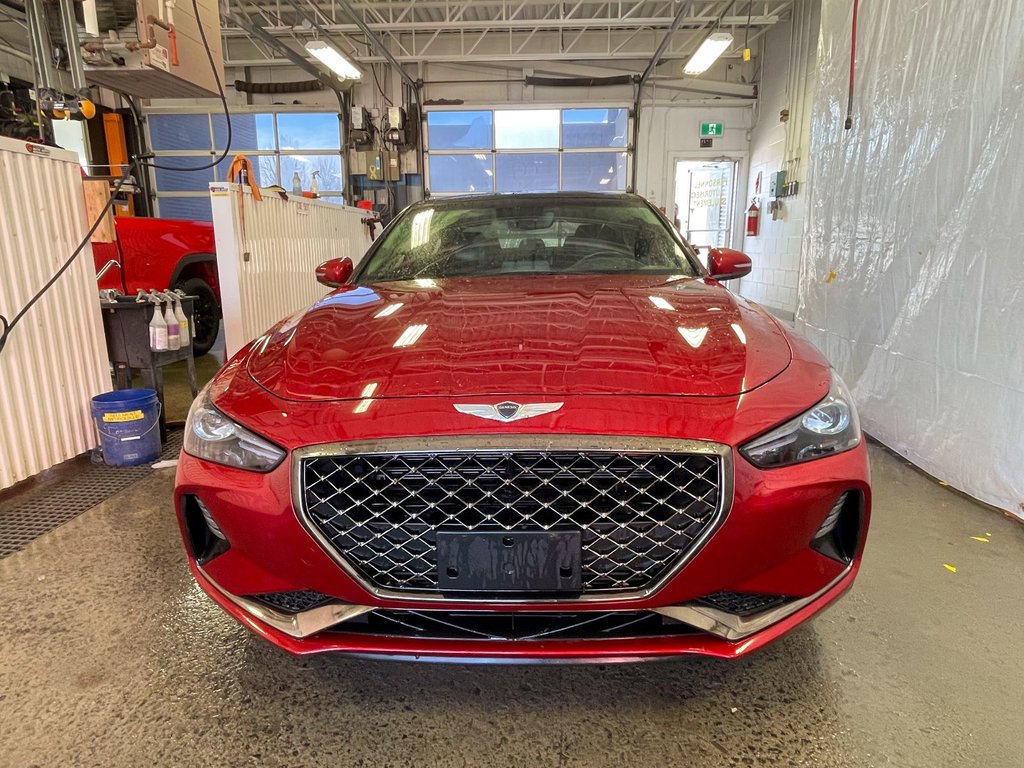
{"x": 25, "y": 518}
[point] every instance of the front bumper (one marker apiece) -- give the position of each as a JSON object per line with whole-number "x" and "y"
{"x": 281, "y": 630}
{"x": 762, "y": 547}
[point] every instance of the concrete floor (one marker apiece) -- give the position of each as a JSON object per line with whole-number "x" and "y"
{"x": 112, "y": 656}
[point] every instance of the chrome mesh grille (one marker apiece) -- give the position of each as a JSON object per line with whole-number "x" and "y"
{"x": 639, "y": 513}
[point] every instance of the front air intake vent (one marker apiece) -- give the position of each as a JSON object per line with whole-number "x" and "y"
{"x": 839, "y": 532}
{"x": 742, "y": 603}
{"x": 292, "y": 602}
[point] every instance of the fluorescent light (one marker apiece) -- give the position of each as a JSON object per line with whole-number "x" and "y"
{"x": 331, "y": 58}
{"x": 410, "y": 336}
{"x": 661, "y": 303}
{"x": 714, "y": 45}
{"x": 390, "y": 309}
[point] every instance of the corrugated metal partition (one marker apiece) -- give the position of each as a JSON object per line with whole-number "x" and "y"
{"x": 55, "y": 359}
{"x": 267, "y": 252}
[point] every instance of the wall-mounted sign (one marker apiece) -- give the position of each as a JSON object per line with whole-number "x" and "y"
{"x": 706, "y": 143}
{"x": 710, "y": 129}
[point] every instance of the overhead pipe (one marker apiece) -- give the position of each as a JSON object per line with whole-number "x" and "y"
{"x": 577, "y": 82}
{"x": 150, "y": 42}
{"x": 298, "y": 86}
{"x": 376, "y": 43}
{"x": 676, "y": 23}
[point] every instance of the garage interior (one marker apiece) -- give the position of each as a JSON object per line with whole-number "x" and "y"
{"x": 862, "y": 154}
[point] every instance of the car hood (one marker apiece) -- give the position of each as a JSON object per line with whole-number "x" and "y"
{"x": 522, "y": 335}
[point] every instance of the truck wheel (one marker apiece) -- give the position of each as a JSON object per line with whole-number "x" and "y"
{"x": 207, "y": 314}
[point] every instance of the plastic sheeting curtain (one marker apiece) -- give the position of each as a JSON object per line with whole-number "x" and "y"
{"x": 912, "y": 278}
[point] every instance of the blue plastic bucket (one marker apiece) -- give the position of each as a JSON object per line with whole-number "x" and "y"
{"x": 128, "y": 421}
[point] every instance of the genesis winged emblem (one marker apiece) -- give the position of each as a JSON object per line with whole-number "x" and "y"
{"x": 507, "y": 411}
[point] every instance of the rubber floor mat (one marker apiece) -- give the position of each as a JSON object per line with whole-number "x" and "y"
{"x": 27, "y": 516}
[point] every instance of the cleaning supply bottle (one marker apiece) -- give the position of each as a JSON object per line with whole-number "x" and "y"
{"x": 173, "y": 329}
{"x": 296, "y": 184}
{"x": 157, "y": 327}
{"x": 314, "y": 186}
{"x": 182, "y": 320}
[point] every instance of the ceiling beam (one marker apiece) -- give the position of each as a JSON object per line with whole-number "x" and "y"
{"x": 375, "y": 42}
{"x": 656, "y": 56}
{"x": 499, "y": 25}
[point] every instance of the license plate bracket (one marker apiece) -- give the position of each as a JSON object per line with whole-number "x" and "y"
{"x": 509, "y": 561}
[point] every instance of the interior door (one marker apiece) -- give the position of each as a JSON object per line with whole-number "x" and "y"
{"x": 704, "y": 194}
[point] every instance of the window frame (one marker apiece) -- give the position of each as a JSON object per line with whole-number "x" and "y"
{"x": 493, "y": 152}
{"x": 206, "y": 156}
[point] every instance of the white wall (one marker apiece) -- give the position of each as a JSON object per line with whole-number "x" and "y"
{"x": 668, "y": 134}
{"x": 777, "y": 145}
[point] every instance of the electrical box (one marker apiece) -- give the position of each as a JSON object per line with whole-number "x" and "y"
{"x": 392, "y": 168}
{"x": 360, "y": 128}
{"x": 374, "y": 166}
{"x": 396, "y": 117}
{"x": 777, "y": 184}
{"x": 360, "y": 119}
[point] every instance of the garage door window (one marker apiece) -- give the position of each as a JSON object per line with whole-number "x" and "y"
{"x": 527, "y": 150}
{"x": 279, "y": 144}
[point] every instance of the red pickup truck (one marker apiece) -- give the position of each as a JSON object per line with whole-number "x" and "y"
{"x": 165, "y": 253}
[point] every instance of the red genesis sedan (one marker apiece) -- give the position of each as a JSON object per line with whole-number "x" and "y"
{"x": 526, "y": 428}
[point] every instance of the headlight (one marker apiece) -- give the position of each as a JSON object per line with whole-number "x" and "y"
{"x": 211, "y": 435}
{"x": 829, "y": 427}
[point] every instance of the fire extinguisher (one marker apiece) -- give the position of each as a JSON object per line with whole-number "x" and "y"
{"x": 753, "y": 218}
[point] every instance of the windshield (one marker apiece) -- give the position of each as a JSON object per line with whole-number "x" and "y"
{"x": 524, "y": 235}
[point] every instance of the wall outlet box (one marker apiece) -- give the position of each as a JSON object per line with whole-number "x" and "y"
{"x": 776, "y": 183}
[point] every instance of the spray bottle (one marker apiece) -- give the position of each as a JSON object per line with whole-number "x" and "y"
{"x": 157, "y": 327}
{"x": 173, "y": 329}
{"x": 179, "y": 313}
{"x": 314, "y": 186}
{"x": 190, "y": 322}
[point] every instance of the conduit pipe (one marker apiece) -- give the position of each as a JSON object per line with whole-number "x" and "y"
{"x": 150, "y": 42}
{"x": 853, "y": 61}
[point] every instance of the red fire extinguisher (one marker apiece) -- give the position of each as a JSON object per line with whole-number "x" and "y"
{"x": 753, "y": 219}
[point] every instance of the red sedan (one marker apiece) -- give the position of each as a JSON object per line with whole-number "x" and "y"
{"x": 526, "y": 428}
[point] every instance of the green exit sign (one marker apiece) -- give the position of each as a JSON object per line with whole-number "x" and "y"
{"x": 710, "y": 129}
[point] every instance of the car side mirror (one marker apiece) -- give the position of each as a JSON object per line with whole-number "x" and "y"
{"x": 336, "y": 272}
{"x": 727, "y": 263}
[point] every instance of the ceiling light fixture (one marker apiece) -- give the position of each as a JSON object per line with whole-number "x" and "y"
{"x": 332, "y": 58}
{"x": 714, "y": 45}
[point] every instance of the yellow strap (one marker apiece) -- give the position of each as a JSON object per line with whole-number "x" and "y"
{"x": 238, "y": 164}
